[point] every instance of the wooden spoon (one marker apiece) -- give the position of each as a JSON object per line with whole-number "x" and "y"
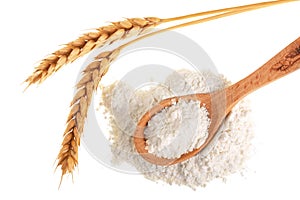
{"x": 220, "y": 103}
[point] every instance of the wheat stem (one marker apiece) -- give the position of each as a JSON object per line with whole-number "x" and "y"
{"x": 226, "y": 14}
{"x": 256, "y": 5}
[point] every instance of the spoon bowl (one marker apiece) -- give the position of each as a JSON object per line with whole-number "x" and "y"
{"x": 220, "y": 103}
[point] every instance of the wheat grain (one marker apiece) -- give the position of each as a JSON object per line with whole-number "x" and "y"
{"x": 89, "y": 41}
{"x": 67, "y": 158}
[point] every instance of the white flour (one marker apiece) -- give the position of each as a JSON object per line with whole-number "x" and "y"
{"x": 177, "y": 130}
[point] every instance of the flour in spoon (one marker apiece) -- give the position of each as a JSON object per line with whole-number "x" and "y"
{"x": 177, "y": 130}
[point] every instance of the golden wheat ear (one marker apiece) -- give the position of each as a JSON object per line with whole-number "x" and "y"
{"x": 67, "y": 158}
{"x": 108, "y": 34}
{"x": 89, "y": 41}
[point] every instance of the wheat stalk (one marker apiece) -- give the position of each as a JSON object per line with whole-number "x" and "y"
{"x": 67, "y": 158}
{"x": 111, "y": 33}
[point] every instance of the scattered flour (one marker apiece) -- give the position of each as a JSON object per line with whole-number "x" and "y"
{"x": 177, "y": 129}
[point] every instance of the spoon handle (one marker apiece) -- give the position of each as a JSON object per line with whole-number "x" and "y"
{"x": 285, "y": 62}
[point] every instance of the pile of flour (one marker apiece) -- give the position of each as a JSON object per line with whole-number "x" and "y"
{"x": 177, "y": 129}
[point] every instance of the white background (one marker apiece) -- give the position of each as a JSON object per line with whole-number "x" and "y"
{"x": 32, "y": 122}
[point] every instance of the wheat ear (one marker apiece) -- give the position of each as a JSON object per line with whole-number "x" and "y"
{"x": 89, "y": 41}
{"x": 68, "y": 155}
{"x": 108, "y": 34}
